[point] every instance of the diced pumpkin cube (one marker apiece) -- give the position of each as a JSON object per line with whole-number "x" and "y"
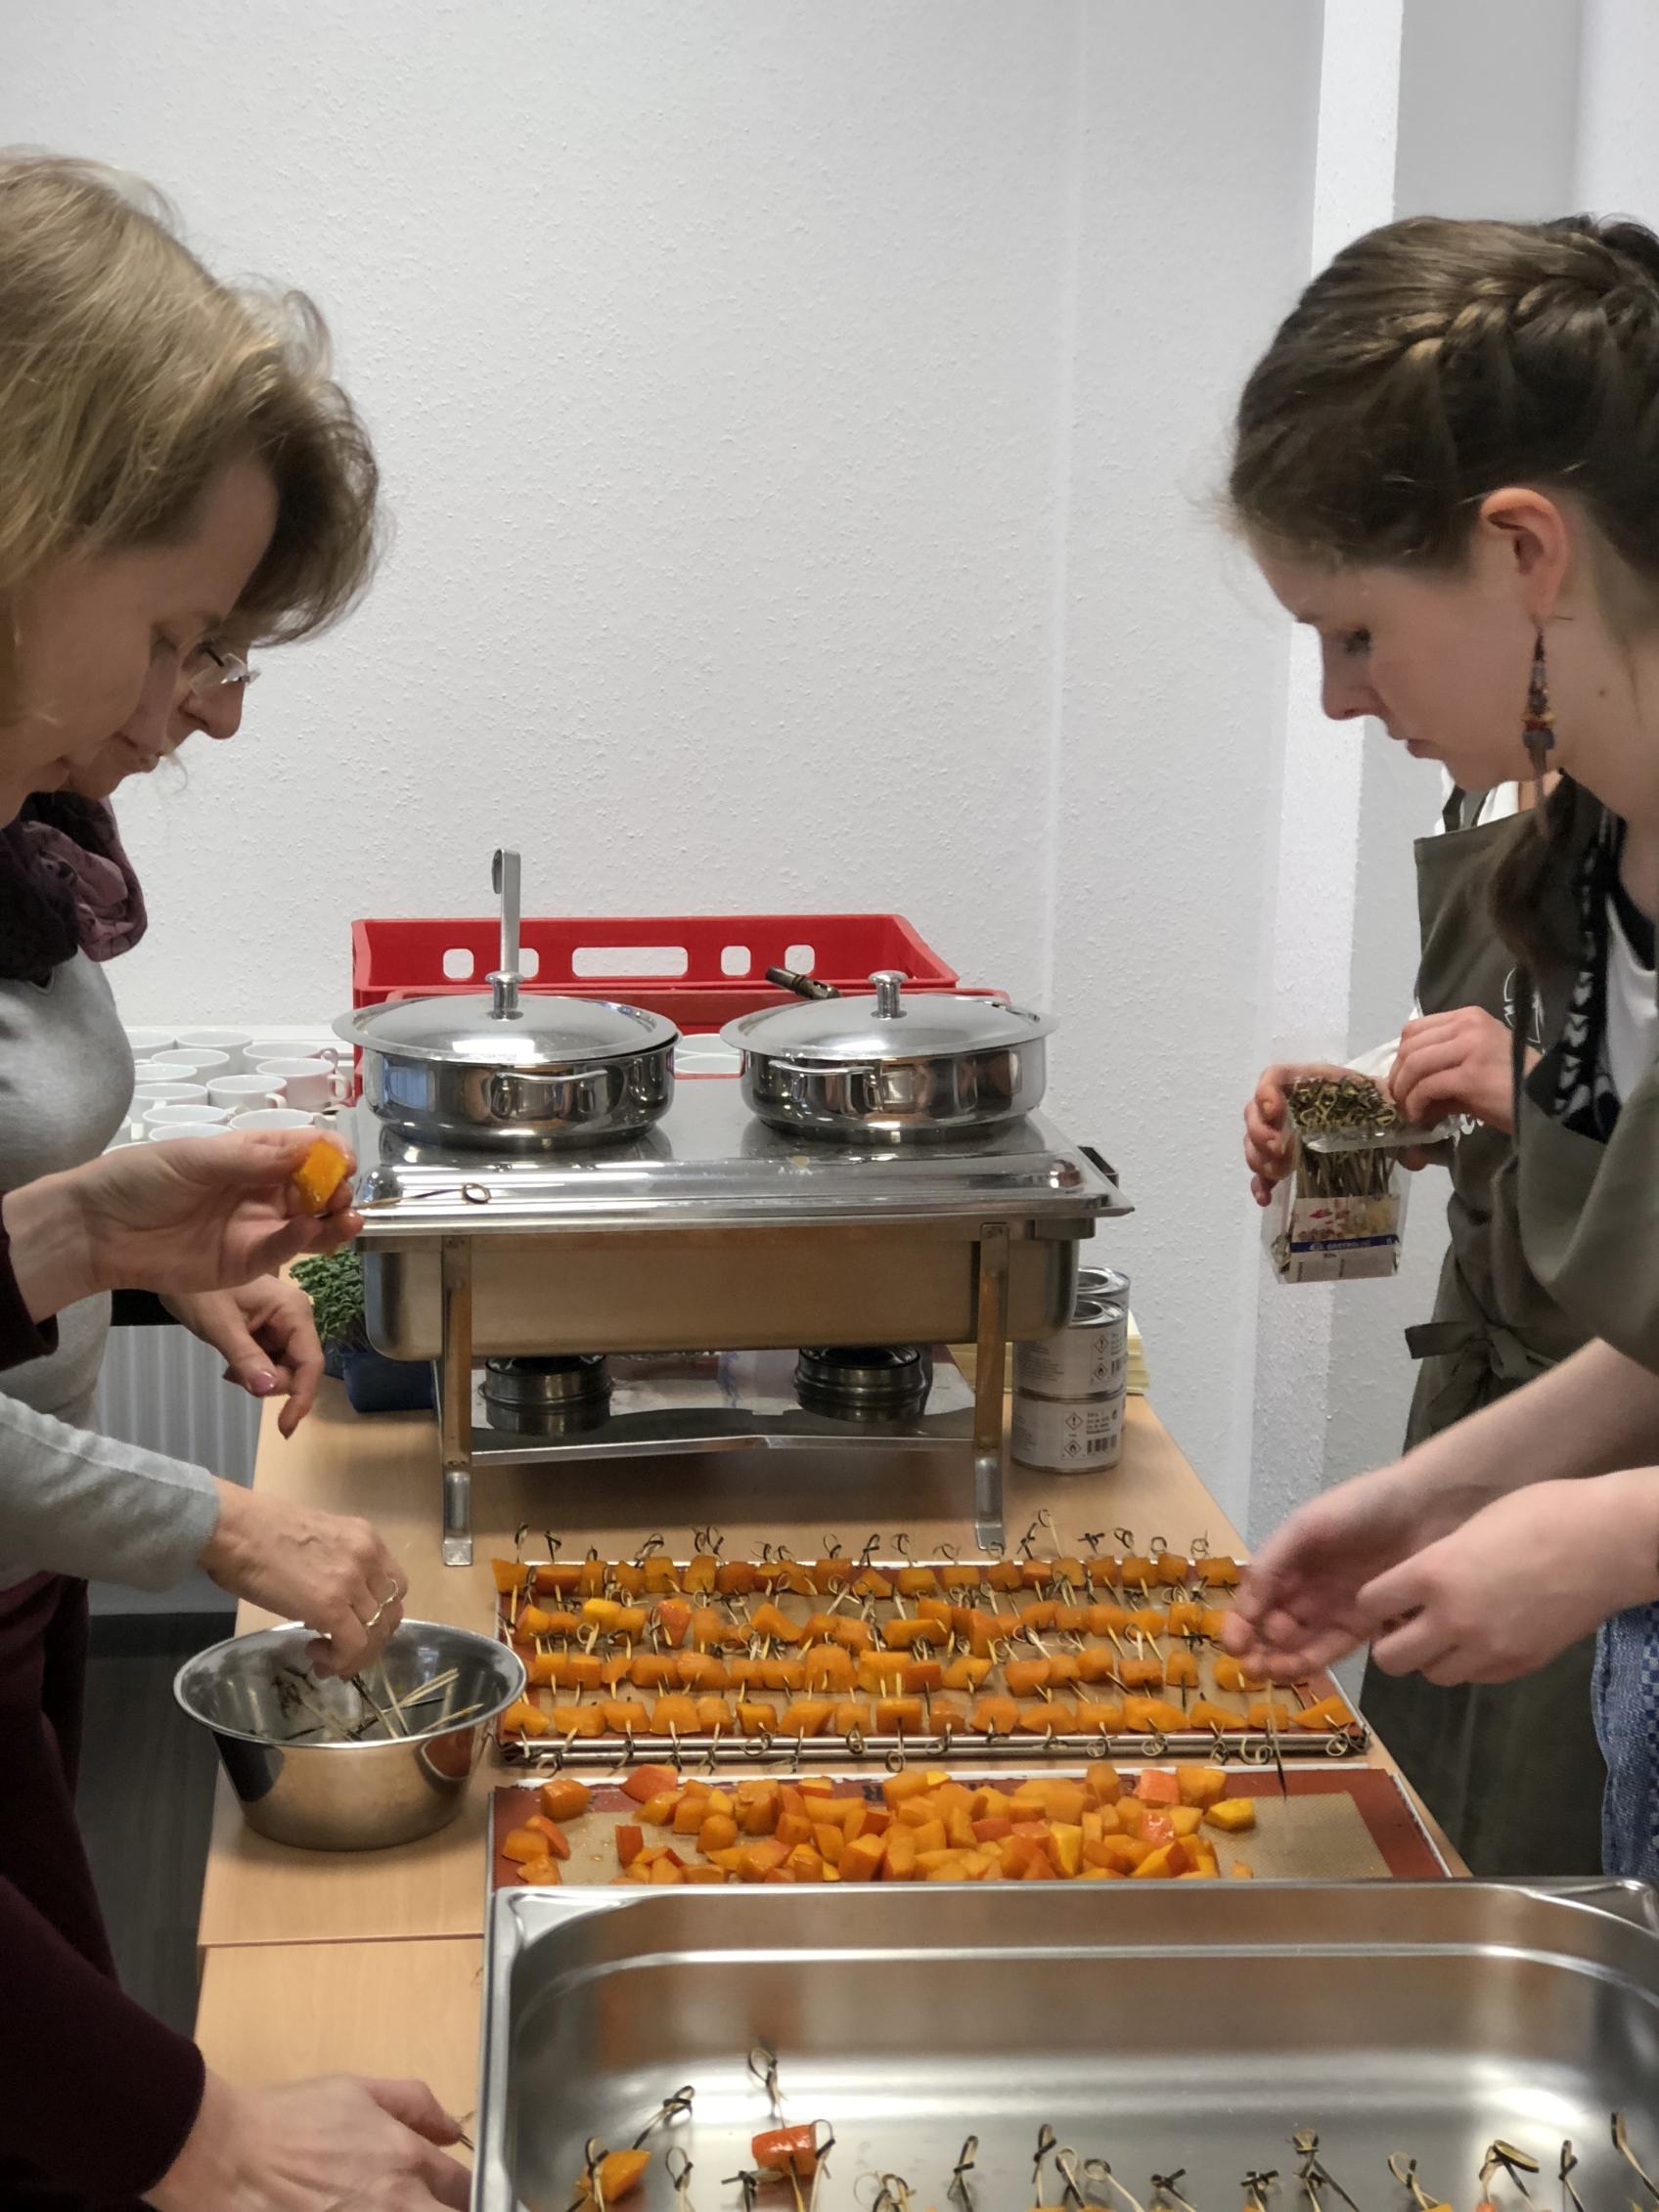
{"x": 862, "y": 1859}
{"x": 630, "y": 1841}
{"x": 576, "y": 1720}
{"x": 1164, "y": 1864}
{"x": 718, "y": 1833}
{"x": 521, "y": 1844}
{"x": 1233, "y": 1816}
{"x": 1201, "y": 1786}
{"x": 1065, "y": 1848}
{"x": 542, "y": 1873}
{"x": 322, "y": 1170}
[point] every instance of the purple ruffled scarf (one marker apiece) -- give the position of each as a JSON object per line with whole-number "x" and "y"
{"x": 66, "y": 887}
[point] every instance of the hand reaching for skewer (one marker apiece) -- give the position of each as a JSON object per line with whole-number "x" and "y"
{"x": 329, "y": 1569}
{"x": 1308, "y": 1598}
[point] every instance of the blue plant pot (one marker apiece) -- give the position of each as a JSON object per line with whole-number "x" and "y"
{"x": 374, "y": 1384}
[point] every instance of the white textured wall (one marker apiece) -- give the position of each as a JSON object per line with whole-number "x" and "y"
{"x": 713, "y": 355}
{"x": 801, "y": 423}
{"x": 798, "y": 422}
{"x": 1168, "y": 779}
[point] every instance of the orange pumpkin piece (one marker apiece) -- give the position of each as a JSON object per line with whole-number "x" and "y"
{"x": 806, "y": 1716}
{"x": 630, "y": 1843}
{"x": 575, "y": 1720}
{"x": 319, "y": 1175}
{"x": 556, "y": 1843}
{"x": 673, "y": 1619}
{"x": 625, "y": 1717}
{"x": 1233, "y": 1816}
{"x": 521, "y": 1844}
{"x": 756, "y": 1717}
{"x": 1026, "y": 1678}
{"x": 1201, "y": 1786}
{"x": 899, "y": 1716}
{"x": 541, "y": 1873}
{"x": 525, "y": 1720}
{"x": 621, "y": 2171}
{"x": 564, "y": 1797}
{"x": 996, "y": 1716}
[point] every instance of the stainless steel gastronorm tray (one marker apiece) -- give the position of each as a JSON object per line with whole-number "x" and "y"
{"x": 1160, "y": 2028}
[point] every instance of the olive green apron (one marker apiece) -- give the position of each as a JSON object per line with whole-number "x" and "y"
{"x": 1473, "y": 1751}
{"x": 1588, "y": 1216}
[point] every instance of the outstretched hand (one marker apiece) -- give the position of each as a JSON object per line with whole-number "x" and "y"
{"x": 1307, "y": 1599}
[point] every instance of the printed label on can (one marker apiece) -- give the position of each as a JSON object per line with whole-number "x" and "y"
{"x": 1088, "y": 1359}
{"x": 1060, "y": 1433}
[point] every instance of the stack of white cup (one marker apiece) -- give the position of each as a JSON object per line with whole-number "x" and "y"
{"x": 205, "y": 1080}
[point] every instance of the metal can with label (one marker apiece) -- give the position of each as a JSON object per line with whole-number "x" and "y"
{"x": 1067, "y": 1436}
{"x": 1107, "y": 1286}
{"x": 1088, "y": 1359}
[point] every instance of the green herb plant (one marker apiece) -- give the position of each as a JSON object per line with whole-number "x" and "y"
{"x": 334, "y": 1283}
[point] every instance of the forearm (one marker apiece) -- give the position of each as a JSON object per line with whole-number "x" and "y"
{"x": 1595, "y": 1413}
{"x": 72, "y": 1502}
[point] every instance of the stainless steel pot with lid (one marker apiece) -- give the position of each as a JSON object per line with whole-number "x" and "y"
{"x": 513, "y": 1072}
{"x": 891, "y": 1067}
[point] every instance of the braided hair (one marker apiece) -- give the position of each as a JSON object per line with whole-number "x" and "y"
{"x": 1434, "y": 361}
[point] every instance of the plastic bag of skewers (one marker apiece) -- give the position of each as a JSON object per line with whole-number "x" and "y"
{"x": 1340, "y": 1214}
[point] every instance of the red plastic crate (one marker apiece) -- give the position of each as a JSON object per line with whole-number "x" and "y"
{"x": 700, "y": 970}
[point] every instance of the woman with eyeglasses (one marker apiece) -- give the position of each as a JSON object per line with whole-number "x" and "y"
{"x": 175, "y": 470}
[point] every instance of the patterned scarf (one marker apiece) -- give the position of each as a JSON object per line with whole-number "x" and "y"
{"x": 66, "y": 887}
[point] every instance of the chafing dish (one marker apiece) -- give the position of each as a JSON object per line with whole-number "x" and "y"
{"x": 891, "y": 1069}
{"x": 1193, "y": 2027}
{"x": 713, "y": 1230}
{"x": 513, "y": 1073}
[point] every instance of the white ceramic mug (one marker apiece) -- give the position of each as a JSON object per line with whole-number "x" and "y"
{"x": 308, "y": 1084}
{"x": 200, "y": 1059}
{"x": 169, "y": 1094}
{"x": 190, "y": 1115}
{"x": 242, "y": 1094}
{"x": 232, "y": 1042}
{"x": 154, "y": 1070}
{"x": 145, "y": 1041}
{"x": 276, "y": 1117}
{"x": 188, "y": 1129}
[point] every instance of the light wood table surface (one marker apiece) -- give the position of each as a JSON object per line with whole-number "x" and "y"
{"x": 371, "y": 1961}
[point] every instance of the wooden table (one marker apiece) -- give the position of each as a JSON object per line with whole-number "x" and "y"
{"x": 371, "y": 1964}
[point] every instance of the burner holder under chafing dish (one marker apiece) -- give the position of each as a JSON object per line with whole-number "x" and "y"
{"x": 716, "y": 1223}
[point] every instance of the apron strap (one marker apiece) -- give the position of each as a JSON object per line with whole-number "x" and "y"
{"x": 1502, "y": 1351}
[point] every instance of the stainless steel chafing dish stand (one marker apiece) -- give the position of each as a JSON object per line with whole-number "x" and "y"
{"x": 712, "y": 1230}
{"x": 1180, "y": 2029}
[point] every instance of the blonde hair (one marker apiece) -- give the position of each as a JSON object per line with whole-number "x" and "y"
{"x": 129, "y": 377}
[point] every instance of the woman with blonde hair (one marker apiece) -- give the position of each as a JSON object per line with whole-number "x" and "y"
{"x": 1448, "y": 464}
{"x": 173, "y": 454}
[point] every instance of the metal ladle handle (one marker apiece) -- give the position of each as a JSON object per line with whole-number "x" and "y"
{"x": 889, "y": 987}
{"x": 505, "y": 980}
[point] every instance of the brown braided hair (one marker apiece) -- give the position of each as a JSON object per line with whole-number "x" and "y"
{"x": 1434, "y": 361}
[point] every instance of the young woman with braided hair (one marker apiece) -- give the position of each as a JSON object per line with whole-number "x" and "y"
{"x": 1448, "y": 464}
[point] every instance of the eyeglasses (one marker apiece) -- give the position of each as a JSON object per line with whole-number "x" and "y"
{"x": 217, "y": 672}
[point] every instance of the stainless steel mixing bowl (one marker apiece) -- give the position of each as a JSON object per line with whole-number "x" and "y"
{"x": 308, "y": 1759}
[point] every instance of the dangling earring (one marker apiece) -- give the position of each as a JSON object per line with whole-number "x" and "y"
{"x": 1537, "y": 724}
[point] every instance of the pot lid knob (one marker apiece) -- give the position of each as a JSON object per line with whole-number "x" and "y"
{"x": 505, "y": 980}
{"x": 889, "y": 984}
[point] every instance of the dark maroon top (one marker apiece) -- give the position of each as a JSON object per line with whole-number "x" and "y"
{"x": 21, "y": 1337}
{"x": 94, "y": 2091}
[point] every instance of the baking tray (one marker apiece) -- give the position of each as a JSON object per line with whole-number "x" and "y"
{"x": 1350, "y": 1739}
{"x": 1191, "y": 2027}
{"x": 1355, "y": 1822}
